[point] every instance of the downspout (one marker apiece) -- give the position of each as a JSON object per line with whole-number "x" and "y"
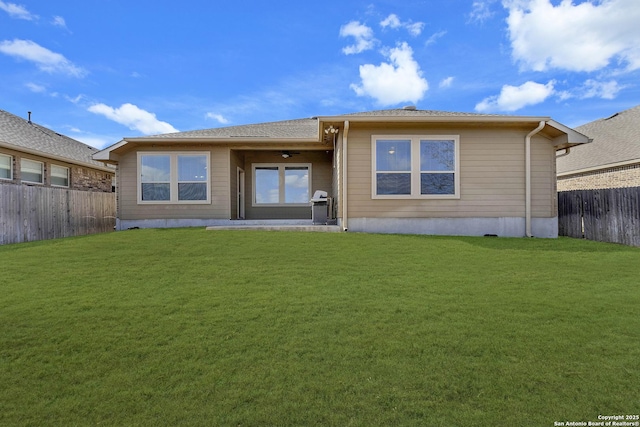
{"x": 527, "y": 161}
{"x": 345, "y": 137}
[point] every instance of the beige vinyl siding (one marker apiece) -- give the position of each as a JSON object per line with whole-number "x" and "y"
{"x": 492, "y": 175}
{"x": 129, "y": 209}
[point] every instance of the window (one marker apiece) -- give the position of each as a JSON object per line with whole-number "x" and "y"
{"x": 32, "y": 171}
{"x": 173, "y": 178}
{"x": 59, "y": 176}
{"x": 280, "y": 184}
{"x": 6, "y": 167}
{"x": 415, "y": 167}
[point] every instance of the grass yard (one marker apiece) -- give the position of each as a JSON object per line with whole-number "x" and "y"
{"x": 237, "y": 328}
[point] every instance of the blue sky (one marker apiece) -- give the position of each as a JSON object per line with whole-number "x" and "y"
{"x": 101, "y": 70}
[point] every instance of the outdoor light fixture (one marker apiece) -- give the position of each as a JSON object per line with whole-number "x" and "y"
{"x": 331, "y": 129}
{"x": 286, "y": 155}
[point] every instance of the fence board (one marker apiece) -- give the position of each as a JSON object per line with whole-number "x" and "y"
{"x": 30, "y": 213}
{"x": 606, "y": 215}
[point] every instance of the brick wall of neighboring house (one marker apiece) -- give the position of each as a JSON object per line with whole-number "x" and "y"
{"x": 81, "y": 177}
{"x": 624, "y": 176}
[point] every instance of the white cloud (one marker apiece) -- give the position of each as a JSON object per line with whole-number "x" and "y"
{"x": 593, "y": 89}
{"x": 44, "y": 59}
{"x": 217, "y": 117}
{"x": 134, "y": 118}
{"x": 392, "y": 21}
{"x": 17, "y": 11}
{"x": 58, "y": 21}
{"x": 481, "y": 11}
{"x": 513, "y": 98}
{"x": 446, "y": 83}
{"x": 604, "y": 90}
{"x": 33, "y": 87}
{"x": 363, "y": 35}
{"x": 391, "y": 83}
{"x": 75, "y": 100}
{"x": 583, "y": 37}
{"x": 435, "y": 37}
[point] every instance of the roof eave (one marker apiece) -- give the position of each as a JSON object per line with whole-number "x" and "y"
{"x": 108, "y": 155}
{"x": 570, "y": 137}
{"x": 56, "y": 157}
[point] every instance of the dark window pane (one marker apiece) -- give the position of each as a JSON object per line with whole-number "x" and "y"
{"x": 437, "y": 183}
{"x": 155, "y": 191}
{"x": 192, "y": 191}
{"x": 437, "y": 156}
{"x": 393, "y": 183}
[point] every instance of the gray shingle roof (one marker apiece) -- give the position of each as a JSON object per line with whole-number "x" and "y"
{"x": 615, "y": 139}
{"x": 21, "y": 134}
{"x": 302, "y": 128}
{"x": 408, "y": 112}
{"x": 299, "y": 129}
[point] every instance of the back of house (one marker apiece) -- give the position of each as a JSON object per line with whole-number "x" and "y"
{"x": 390, "y": 171}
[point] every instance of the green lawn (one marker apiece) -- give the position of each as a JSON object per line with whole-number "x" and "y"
{"x": 243, "y": 328}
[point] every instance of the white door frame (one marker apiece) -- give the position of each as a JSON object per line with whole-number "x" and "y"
{"x": 240, "y": 191}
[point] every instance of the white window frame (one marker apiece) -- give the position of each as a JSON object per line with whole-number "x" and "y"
{"x": 41, "y": 182}
{"x": 68, "y": 176}
{"x": 281, "y": 186}
{"x": 173, "y": 181}
{"x": 415, "y": 166}
{"x": 10, "y": 167}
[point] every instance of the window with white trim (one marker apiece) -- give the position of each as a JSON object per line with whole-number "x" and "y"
{"x": 59, "y": 176}
{"x": 173, "y": 178}
{"x": 6, "y": 166}
{"x": 31, "y": 171}
{"x": 415, "y": 166}
{"x": 281, "y": 184}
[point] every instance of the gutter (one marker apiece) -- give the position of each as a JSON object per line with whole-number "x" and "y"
{"x": 567, "y": 151}
{"x": 527, "y": 161}
{"x": 345, "y": 137}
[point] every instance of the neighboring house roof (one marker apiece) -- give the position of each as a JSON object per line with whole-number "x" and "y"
{"x": 616, "y": 142}
{"x": 19, "y": 134}
{"x": 310, "y": 130}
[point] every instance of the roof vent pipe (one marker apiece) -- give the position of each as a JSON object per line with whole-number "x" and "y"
{"x": 29, "y": 113}
{"x": 409, "y": 107}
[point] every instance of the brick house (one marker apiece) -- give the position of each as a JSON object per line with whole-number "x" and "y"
{"x": 31, "y": 154}
{"x": 611, "y": 160}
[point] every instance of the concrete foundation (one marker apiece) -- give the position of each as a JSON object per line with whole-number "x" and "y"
{"x": 503, "y": 227}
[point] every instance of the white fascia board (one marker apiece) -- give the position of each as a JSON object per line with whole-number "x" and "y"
{"x": 573, "y": 137}
{"x": 105, "y": 154}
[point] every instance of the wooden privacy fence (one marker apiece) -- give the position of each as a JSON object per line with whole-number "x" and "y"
{"x": 30, "y": 213}
{"x": 608, "y": 215}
